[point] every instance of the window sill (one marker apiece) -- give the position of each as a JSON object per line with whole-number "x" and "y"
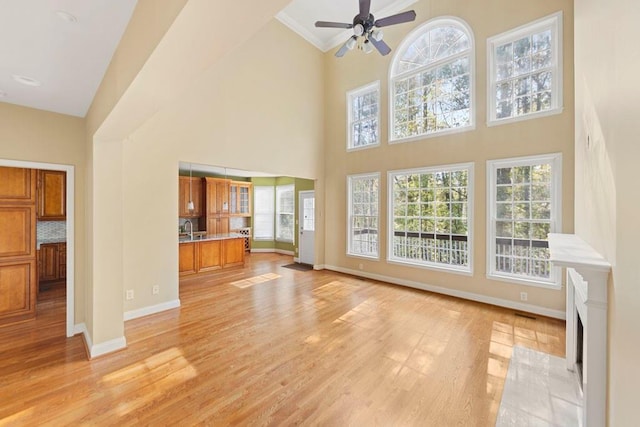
{"x": 368, "y": 257}
{"x": 393, "y": 140}
{"x": 363, "y": 147}
{"x": 527, "y": 282}
{"x": 440, "y": 268}
{"x": 530, "y": 116}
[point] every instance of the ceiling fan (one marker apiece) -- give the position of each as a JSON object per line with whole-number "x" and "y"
{"x": 364, "y": 25}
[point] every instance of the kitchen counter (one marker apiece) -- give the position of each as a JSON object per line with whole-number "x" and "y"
{"x": 208, "y": 237}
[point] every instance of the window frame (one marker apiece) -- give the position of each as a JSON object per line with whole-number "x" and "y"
{"x": 271, "y": 212}
{"x": 552, "y": 22}
{"x": 555, "y": 159}
{"x": 350, "y": 179}
{"x": 280, "y": 189}
{"x": 408, "y": 40}
{"x": 449, "y": 268}
{"x": 360, "y": 91}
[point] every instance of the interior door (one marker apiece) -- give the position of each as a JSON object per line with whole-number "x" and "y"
{"x": 307, "y": 226}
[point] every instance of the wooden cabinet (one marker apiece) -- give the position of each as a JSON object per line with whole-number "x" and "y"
{"x": 218, "y": 224}
{"x": 52, "y": 262}
{"x": 210, "y": 255}
{"x": 217, "y": 190}
{"x": 195, "y": 193}
{"x": 52, "y": 199}
{"x": 240, "y": 198}
{"x": 18, "y": 275}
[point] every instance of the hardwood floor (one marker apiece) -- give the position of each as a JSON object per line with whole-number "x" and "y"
{"x": 267, "y": 345}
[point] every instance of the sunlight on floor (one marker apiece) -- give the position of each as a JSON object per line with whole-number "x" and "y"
{"x": 245, "y": 283}
{"x": 151, "y": 378}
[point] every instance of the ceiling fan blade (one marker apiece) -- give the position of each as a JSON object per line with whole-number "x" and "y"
{"x": 382, "y": 47}
{"x": 365, "y": 9}
{"x": 325, "y": 24}
{"x": 396, "y": 19}
{"x": 340, "y": 53}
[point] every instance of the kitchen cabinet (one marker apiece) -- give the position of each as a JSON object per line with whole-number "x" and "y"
{"x": 18, "y": 271}
{"x": 217, "y": 196}
{"x": 52, "y": 199}
{"x": 218, "y": 224}
{"x": 240, "y": 198}
{"x": 52, "y": 262}
{"x": 210, "y": 255}
{"x": 195, "y": 193}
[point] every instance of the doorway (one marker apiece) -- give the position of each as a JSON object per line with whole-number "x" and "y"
{"x": 307, "y": 225}
{"x": 70, "y": 230}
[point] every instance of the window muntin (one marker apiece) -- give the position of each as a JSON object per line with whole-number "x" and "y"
{"x": 284, "y": 213}
{"x": 525, "y": 71}
{"x": 363, "y": 204}
{"x": 524, "y": 207}
{"x": 432, "y": 81}
{"x": 430, "y": 217}
{"x": 263, "y": 212}
{"x": 363, "y": 106}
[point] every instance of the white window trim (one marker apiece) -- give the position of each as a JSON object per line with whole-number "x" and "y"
{"x": 350, "y": 178}
{"x": 552, "y": 22}
{"x": 352, "y": 94}
{"x": 555, "y": 160}
{"x": 468, "y": 271}
{"x": 272, "y": 212}
{"x": 410, "y": 38}
{"x": 282, "y": 189}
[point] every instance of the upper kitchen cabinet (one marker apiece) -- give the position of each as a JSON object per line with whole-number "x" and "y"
{"x": 16, "y": 186}
{"x": 192, "y": 192}
{"x": 240, "y": 198}
{"x": 52, "y": 199}
{"x": 217, "y": 196}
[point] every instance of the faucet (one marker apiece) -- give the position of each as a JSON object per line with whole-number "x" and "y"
{"x": 190, "y": 228}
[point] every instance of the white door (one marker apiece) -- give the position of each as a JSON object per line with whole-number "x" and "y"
{"x": 307, "y": 226}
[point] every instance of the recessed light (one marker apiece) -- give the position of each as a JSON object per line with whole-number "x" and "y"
{"x": 26, "y": 80}
{"x": 66, "y": 16}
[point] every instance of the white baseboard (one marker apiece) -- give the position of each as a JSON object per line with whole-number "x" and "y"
{"x": 318, "y": 267}
{"x": 296, "y": 259}
{"x": 152, "y": 309}
{"x": 273, "y": 250}
{"x": 543, "y": 311}
{"x": 102, "y": 348}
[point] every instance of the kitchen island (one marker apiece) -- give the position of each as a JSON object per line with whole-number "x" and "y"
{"x": 210, "y": 252}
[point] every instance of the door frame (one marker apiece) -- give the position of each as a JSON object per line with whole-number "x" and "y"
{"x": 70, "y": 191}
{"x": 300, "y": 223}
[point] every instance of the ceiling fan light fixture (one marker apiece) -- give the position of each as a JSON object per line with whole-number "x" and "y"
{"x": 377, "y": 35}
{"x": 358, "y": 30}
{"x": 351, "y": 43}
{"x": 366, "y": 47}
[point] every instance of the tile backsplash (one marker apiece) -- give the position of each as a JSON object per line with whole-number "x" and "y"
{"x": 51, "y": 230}
{"x": 194, "y": 221}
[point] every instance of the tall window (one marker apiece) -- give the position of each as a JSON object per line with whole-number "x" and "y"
{"x": 430, "y": 217}
{"x": 364, "y": 116}
{"x": 524, "y": 207}
{"x": 525, "y": 71}
{"x": 431, "y": 80}
{"x": 363, "y": 193}
{"x": 284, "y": 213}
{"x": 263, "y": 212}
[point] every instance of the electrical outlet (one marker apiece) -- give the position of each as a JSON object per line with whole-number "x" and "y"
{"x": 523, "y": 296}
{"x": 130, "y": 294}
{"x": 155, "y": 290}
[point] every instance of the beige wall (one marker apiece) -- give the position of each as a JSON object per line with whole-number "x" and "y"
{"x": 607, "y": 191}
{"x": 39, "y": 136}
{"x": 259, "y": 108}
{"x": 543, "y": 135}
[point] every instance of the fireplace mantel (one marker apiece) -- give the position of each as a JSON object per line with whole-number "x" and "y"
{"x": 587, "y": 277}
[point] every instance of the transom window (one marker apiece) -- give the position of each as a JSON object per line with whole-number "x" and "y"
{"x": 364, "y": 116}
{"x": 363, "y": 193}
{"x": 431, "y": 81}
{"x": 525, "y": 71}
{"x": 430, "y": 217}
{"x": 524, "y": 207}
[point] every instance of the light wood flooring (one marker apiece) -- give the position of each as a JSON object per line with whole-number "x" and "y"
{"x": 267, "y": 345}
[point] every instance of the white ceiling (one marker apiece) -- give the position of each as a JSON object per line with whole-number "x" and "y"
{"x": 69, "y": 59}
{"x": 219, "y": 170}
{"x": 301, "y": 15}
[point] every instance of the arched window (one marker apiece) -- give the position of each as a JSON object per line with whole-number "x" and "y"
{"x": 432, "y": 80}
